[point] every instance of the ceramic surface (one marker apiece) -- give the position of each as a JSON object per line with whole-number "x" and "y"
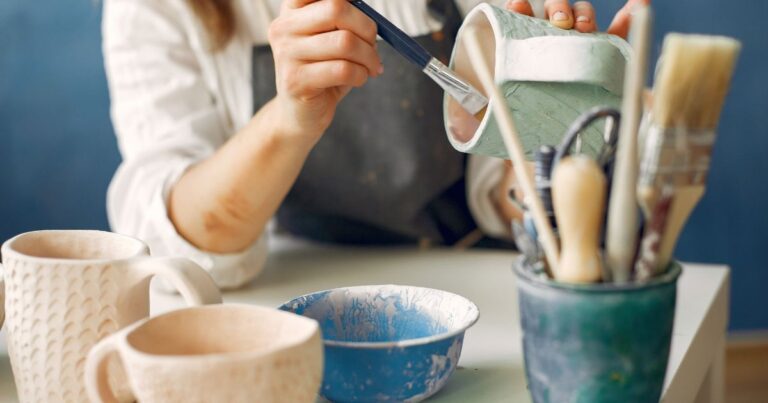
{"x": 388, "y": 342}
{"x": 549, "y": 76}
{"x": 66, "y": 290}
{"x": 596, "y": 343}
{"x": 223, "y": 353}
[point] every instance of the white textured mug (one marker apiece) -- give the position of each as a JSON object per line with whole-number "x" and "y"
{"x": 221, "y": 353}
{"x": 65, "y": 290}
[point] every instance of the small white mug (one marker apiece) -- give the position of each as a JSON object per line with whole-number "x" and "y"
{"x": 220, "y": 353}
{"x": 66, "y": 289}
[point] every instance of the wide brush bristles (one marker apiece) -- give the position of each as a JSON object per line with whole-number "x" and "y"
{"x": 693, "y": 80}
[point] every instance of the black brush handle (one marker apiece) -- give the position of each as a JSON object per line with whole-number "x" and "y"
{"x": 399, "y": 40}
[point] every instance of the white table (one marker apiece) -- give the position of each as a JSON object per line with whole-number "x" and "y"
{"x": 491, "y": 366}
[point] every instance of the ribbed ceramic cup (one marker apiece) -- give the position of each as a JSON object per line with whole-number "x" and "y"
{"x": 66, "y": 290}
{"x": 598, "y": 343}
{"x": 224, "y": 353}
{"x": 549, "y": 76}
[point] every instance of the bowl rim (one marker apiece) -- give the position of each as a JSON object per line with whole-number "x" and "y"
{"x": 400, "y": 343}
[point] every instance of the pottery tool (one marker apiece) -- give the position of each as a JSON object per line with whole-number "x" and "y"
{"x": 515, "y": 149}
{"x": 467, "y": 95}
{"x": 621, "y": 228}
{"x": 578, "y": 194}
{"x": 689, "y": 93}
{"x": 526, "y": 243}
{"x": 586, "y": 119}
{"x": 542, "y": 173}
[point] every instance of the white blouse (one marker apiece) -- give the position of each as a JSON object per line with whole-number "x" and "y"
{"x": 174, "y": 103}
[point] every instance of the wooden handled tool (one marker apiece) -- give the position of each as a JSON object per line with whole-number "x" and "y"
{"x": 621, "y": 229}
{"x": 515, "y": 149}
{"x": 578, "y": 195}
{"x": 689, "y": 93}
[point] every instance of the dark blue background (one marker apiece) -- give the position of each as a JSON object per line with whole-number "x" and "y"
{"x": 58, "y": 150}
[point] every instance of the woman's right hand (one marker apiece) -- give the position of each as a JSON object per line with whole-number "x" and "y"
{"x": 322, "y": 48}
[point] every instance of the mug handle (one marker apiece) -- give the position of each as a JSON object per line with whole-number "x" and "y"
{"x": 97, "y": 369}
{"x": 192, "y": 281}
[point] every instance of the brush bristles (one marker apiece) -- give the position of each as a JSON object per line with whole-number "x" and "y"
{"x": 693, "y": 80}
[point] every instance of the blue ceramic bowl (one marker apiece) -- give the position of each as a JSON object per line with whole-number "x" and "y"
{"x": 387, "y": 343}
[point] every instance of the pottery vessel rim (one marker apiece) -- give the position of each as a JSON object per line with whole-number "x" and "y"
{"x": 524, "y": 273}
{"x": 8, "y": 248}
{"x": 312, "y": 328}
{"x": 475, "y": 315}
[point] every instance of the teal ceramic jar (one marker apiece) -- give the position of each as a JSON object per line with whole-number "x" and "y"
{"x": 596, "y": 343}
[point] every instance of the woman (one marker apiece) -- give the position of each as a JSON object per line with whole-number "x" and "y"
{"x": 219, "y": 132}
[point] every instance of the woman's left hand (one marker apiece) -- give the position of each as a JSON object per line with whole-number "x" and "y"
{"x": 580, "y": 16}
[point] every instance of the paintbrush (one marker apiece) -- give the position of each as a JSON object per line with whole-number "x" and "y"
{"x": 689, "y": 93}
{"x": 515, "y": 149}
{"x": 621, "y": 226}
{"x": 468, "y": 96}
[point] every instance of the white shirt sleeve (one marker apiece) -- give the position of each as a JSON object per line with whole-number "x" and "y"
{"x": 483, "y": 176}
{"x": 166, "y": 120}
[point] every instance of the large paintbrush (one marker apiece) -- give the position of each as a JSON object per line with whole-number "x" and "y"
{"x": 689, "y": 92}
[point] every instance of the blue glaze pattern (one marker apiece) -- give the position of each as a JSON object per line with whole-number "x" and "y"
{"x": 387, "y": 343}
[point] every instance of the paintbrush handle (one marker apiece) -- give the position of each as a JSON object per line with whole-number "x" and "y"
{"x": 621, "y": 229}
{"x": 578, "y": 194}
{"x": 685, "y": 200}
{"x": 399, "y": 40}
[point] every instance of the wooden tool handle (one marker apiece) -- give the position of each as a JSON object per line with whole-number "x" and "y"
{"x": 621, "y": 231}
{"x": 578, "y": 195}
{"x": 685, "y": 200}
{"x": 514, "y": 147}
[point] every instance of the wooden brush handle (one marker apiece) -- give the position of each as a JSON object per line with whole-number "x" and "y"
{"x": 511, "y": 140}
{"x": 621, "y": 231}
{"x": 578, "y": 195}
{"x": 685, "y": 200}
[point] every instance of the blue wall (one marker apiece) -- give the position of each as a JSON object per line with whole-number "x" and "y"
{"x": 58, "y": 151}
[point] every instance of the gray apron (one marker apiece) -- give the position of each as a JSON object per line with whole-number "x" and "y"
{"x": 383, "y": 173}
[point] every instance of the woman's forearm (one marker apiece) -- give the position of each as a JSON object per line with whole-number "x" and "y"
{"x": 224, "y": 203}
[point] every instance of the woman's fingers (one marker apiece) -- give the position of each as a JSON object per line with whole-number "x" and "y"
{"x": 337, "y": 45}
{"x": 520, "y": 7}
{"x": 315, "y": 77}
{"x": 328, "y": 15}
{"x": 584, "y": 14}
{"x": 620, "y": 24}
{"x": 559, "y": 13}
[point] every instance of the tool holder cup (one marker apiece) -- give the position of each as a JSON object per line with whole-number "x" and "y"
{"x": 599, "y": 342}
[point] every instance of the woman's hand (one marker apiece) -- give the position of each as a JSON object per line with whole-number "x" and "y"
{"x": 580, "y": 16}
{"x": 321, "y": 50}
